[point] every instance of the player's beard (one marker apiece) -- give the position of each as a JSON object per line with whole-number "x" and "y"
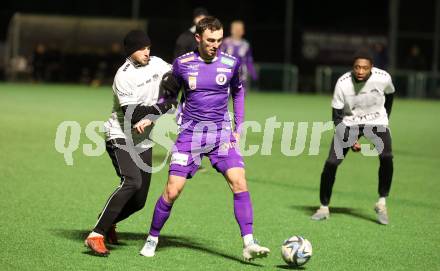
{"x": 208, "y": 54}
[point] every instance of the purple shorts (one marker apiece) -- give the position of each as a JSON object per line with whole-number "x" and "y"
{"x": 191, "y": 146}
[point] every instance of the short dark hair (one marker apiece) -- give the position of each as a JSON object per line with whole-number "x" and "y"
{"x": 363, "y": 53}
{"x": 210, "y": 23}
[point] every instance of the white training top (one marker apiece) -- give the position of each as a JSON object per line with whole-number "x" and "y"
{"x": 134, "y": 84}
{"x": 363, "y": 102}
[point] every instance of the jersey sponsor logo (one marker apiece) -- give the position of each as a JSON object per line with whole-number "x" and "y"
{"x": 227, "y": 61}
{"x": 179, "y": 159}
{"x": 123, "y": 94}
{"x": 363, "y": 117}
{"x": 220, "y": 79}
{"x": 224, "y": 70}
{"x": 187, "y": 59}
{"x": 192, "y": 82}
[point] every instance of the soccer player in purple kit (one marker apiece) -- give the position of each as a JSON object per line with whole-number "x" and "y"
{"x": 208, "y": 76}
{"x": 237, "y": 46}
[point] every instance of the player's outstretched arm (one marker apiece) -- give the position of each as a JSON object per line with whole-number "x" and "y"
{"x": 168, "y": 92}
{"x": 138, "y": 112}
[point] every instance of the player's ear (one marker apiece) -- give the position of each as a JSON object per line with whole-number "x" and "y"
{"x": 198, "y": 37}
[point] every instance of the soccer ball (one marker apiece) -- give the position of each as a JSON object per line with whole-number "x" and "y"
{"x": 296, "y": 251}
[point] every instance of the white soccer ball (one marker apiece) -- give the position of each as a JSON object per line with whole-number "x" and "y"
{"x": 296, "y": 251}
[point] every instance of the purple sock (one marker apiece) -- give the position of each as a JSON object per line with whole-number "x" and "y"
{"x": 162, "y": 211}
{"x": 243, "y": 212}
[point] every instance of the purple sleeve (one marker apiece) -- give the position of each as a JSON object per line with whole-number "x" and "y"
{"x": 176, "y": 71}
{"x": 250, "y": 64}
{"x": 237, "y": 93}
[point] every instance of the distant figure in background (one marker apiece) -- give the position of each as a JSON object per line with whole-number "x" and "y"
{"x": 186, "y": 42}
{"x": 380, "y": 56}
{"x": 415, "y": 60}
{"x": 53, "y": 69}
{"x": 236, "y": 46}
{"x": 39, "y": 60}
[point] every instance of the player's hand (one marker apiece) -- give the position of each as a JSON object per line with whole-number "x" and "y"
{"x": 356, "y": 147}
{"x": 141, "y": 125}
{"x": 237, "y": 136}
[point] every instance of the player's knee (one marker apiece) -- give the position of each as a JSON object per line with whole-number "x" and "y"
{"x": 134, "y": 181}
{"x": 386, "y": 157}
{"x": 140, "y": 206}
{"x": 333, "y": 162}
{"x": 171, "y": 194}
{"x": 239, "y": 185}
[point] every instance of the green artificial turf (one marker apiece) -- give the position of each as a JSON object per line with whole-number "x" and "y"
{"x": 48, "y": 207}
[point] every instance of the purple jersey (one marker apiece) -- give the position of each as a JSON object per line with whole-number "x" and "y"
{"x": 207, "y": 87}
{"x": 241, "y": 50}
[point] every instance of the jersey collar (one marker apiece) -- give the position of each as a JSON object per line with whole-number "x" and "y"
{"x": 134, "y": 63}
{"x": 196, "y": 52}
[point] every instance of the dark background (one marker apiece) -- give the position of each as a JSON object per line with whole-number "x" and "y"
{"x": 265, "y": 20}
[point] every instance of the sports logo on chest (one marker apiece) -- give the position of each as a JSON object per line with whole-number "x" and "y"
{"x": 224, "y": 70}
{"x": 221, "y": 79}
{"x": 193, "y": 67}
{"x": 192, "y": 82}
{"x": 149, "y": 80}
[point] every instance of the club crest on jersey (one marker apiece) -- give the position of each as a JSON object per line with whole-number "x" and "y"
{"x": 192, "y": 82}
{"x": 220, "y": 79}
